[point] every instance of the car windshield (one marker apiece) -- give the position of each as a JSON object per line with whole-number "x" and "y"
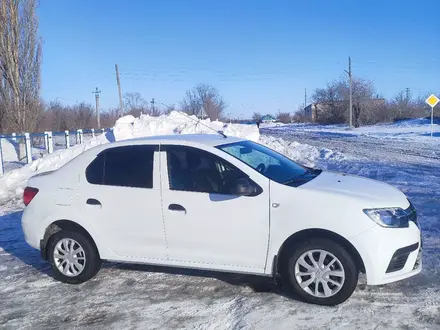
{"x": 268, "y": 162}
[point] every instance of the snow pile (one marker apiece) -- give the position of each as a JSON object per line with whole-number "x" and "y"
{"x": 301, "y": 153}
{"x": 413, "y": 129}
{"x": 13, "y": 183}
{"x": 178, "y": 123}
{"x": 304, "y": 154}
{"x": 8, "y": 150}
{"x": 328, "y": 154}
{"x": 418, "y": 129}
{"x": 416, "y": 122}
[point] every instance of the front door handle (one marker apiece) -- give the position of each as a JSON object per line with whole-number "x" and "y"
{"x": 92, "y": 201}
{"x": 176, "y": 207}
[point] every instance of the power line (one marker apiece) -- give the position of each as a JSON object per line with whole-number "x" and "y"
{"x": 198, "y": 121}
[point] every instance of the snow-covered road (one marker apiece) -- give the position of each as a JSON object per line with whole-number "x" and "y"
{"x": 141, "y": 297}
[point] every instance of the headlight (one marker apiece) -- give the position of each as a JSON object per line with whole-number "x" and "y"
{"x": 390, "y": 218}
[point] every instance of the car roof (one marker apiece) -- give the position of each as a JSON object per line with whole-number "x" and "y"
{"x": 204, "y": 139}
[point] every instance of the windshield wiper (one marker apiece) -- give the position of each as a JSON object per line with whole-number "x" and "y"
{"x": 297, "y": 177}
{"x": 307, "y": 172}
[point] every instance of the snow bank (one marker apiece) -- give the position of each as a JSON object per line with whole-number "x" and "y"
{"x": 301, "y": 153}
{"x": 178, "y": 123}
{"x": 304, "y": 154}
{"x": 410, "y": 129}
{"x": 8, "y": 150}
{"x": 13, "y": 183}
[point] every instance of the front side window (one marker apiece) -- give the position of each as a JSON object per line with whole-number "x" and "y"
{"x": 270, "y": 163}
{"x": 192, "y": 169}
{"x": 130, "y": 166}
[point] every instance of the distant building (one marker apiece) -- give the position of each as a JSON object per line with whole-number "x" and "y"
{"x": 314, "y": 110}
{"x": 311, "y": 111}
{"x": 268, "y": 119}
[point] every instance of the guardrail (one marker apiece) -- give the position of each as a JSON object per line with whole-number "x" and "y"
{"x": 23, "y": 149}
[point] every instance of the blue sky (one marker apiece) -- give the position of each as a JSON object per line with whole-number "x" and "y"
{"x": 259, "y": 54}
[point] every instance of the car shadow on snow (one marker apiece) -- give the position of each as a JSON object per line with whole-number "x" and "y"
{"x": 12, "y": 242}
{"x": 258, "y": 284}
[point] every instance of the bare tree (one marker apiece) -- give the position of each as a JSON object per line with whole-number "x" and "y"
{"x": 3, "y": 115}
{"x": 364, "y": 104}
{"x": 420, "y": 108}
{"x": 135, "y": 104}
{"x": 284, "y": 117}
{"x": 333, "y": 106}
{"x": 257, "y": 117}
{"x": 299, "y": 115}
{"x": 169, "y": 108}
{"x": 109, "y": 117}
{"x": 212, "y": 103}
{"x": 154, "y": 111}
{"x": 330, "y": 109}
{"x": 83, "y": 115}
{"x": 58, "y": 117}
{"x": 204, "y": 100}
{"x": 403, "y": 106}
{"x": 20, "y": 62}
{"x": 191, "y": 103}
{"x": 402, "y": 103}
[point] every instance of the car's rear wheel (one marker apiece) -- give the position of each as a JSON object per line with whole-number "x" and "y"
{"x": 320, "y": 271}
{"x": 73, "y": 257}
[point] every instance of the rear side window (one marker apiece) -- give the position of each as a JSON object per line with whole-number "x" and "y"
{"x": 95, "y": 171}
{"x": 130, "y": 166}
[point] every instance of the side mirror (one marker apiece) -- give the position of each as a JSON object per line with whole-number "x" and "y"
{"x": 245, "y": 150}
{"x": 245, "y": 187}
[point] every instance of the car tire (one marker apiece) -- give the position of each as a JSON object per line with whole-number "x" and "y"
{"x": 73, "y": 257}
{"x": 329, "y": 285}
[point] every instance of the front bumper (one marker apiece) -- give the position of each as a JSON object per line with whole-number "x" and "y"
{"x": 390, "y": 254}
{"x": 400, "y": 258}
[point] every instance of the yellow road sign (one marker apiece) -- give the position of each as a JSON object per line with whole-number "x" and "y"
{"x": 432, "y": 100}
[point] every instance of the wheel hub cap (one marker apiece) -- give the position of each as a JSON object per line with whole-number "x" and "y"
{"x": 319, "y": 273}
{"x": 69, "y": 257}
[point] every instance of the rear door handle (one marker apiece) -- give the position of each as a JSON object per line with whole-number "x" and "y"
{"x": 176, "y": 207}
{"x": 92, "y": 201}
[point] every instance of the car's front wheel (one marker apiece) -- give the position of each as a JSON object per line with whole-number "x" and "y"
{"x": 320, "y": 271}
{"x": 73, "y": 257}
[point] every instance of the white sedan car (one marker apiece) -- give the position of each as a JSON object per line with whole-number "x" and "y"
{"x": 224, "y": 204}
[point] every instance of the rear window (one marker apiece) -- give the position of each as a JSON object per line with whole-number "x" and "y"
{"x": 130, "y": 166}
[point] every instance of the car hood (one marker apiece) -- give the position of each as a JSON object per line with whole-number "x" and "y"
{"x": 373, "y": 193}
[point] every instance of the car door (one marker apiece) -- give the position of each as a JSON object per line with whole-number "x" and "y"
{"x": 207, "y": 225}
{"x": 120, "y": 197}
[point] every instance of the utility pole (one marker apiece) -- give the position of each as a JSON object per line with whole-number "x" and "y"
{"x": 119, "y": 91}
{"x": 351, "y": 91}
{"x": 97, "y": 92}
{"x": 152, "y": 105}
{"x": 407, "y": 94}
{"x": 305, "y": 100}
